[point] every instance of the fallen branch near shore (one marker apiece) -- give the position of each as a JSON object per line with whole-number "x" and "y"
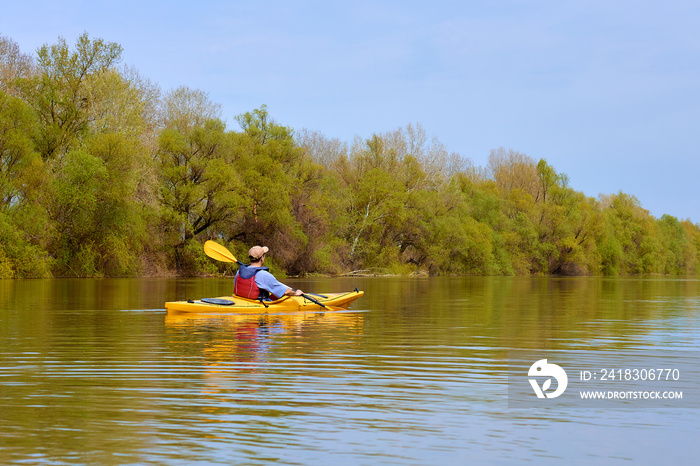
{"x": 369, "y": 273}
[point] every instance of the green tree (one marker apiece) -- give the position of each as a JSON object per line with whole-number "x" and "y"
{"x": 375, "y": 202}
{"x": 77, "y": 189}
{"x": 119, "y": 224}
{"x": 60, "y": 93}
{"x": 692, "y": 251}
{"x": 632, "y": 243}
{"x": 511, "y": 234}
{"x": 23, "y": 220}
{"x": 95, "y": 124}
{"x": 17, "y": 127}
{"x": 679, "y": 255}
{"x": 198, "y": 185}
{"x": 570, "y": 225}
{"x": 260, "y": 126}
{"x": 277, "y": 181}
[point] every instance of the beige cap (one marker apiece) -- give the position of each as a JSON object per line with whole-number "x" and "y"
{"x": 256, "y": 252}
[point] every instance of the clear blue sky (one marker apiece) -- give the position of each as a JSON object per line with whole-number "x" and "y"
{"x": 607, "y": 91}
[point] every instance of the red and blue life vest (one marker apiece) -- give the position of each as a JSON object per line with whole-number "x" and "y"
{"x": 244, "y": 283}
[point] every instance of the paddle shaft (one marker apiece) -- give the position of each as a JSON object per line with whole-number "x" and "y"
{"x": 313, "y": 300}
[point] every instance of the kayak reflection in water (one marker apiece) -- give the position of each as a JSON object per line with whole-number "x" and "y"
{"x": 254, "y": 281}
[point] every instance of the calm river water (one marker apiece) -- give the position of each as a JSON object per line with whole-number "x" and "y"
{"x": 416, "y": 372}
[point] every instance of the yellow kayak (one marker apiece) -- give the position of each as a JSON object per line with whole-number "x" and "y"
{"x": 238, "y": 305}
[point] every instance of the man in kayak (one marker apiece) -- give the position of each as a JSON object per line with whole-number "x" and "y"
{"x": 254, "y": 281}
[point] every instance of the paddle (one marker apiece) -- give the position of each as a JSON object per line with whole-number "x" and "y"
{"x": 220, "y": 253}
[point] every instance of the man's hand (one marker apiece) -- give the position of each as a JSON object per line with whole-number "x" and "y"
{"x": 292, "y": 292}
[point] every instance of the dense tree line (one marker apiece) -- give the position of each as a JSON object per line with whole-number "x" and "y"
{"x": 103, "y": 174}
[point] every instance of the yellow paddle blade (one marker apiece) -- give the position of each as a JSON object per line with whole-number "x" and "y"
{"x": 218, "y": 252}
